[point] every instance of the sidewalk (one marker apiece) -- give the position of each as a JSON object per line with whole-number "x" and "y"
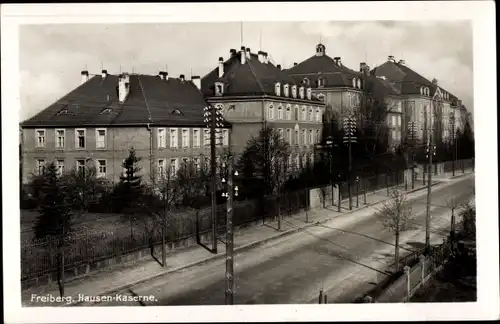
{"x": 121, "y": 277}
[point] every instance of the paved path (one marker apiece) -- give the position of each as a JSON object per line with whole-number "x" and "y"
{"x": 114, "y": 279}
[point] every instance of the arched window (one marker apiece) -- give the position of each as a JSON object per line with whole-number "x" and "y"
{"x": 305, "y": 81}
{"x": 303, "y": 113}
{"x": 318, "y": 115}
{"x": 311, "y": 114}
{"x": 309, "y": 93}
{"x": 301, "y": 92}
{"x": 288, "y": 112}
{"x": 321, "y": 83}
{"x": 280, "y": 112}
{"x": 294, "y": 91}
{"x": 359, "y": 83}
{"x": 285, "y": 90}
{"x": 321, "y": 97}
{"x": 421, "y": 90}
{"x": 270, "y": 112}
{"x": 277, "y": 89}
{"x": 354, "y": 82}
{"x": 296, "y": 112}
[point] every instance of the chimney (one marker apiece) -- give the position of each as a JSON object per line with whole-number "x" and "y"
{"x": 336, "y": 60}
{"x": 85, "y": 76}
{"x": 278, "y": 66}
{"x": 364, "y": 68}
{"x": 221, "y": 67}
{"x": 434, "y": 81}
{"x": 391, "y": 58}
{"x": 232, "y": 51}
{"x": 339, "y": 62}
{"x": 123, "y": 87}
{"x": 181, "y": 77}
{"x": 242, "y": 55}
{"x": 248, "y": 53}
{"x": 294, "y": 63}
{"x": 402, "y": 62}
{"x": 266, "y": 58}
{"x": 196, "y": 81}
{"x": 165, "y": 74}
{"x": 104, "y": 74}
{"x": 261, "y": 56}
{"x": 161, "y": 74}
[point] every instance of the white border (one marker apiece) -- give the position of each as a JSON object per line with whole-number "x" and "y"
{"x": 482, "y": 15}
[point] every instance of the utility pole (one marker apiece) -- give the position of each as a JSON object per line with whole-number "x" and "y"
{"x": 213, "y": 119}
{"x": 430, "y": 151}
{"x": 412, "y": 138}
{"x": 452, "y": 126}
{"x": 230, "y": 193}
{"x": 349, "y": 129}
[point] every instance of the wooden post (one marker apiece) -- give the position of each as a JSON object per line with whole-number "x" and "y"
{"x": 321, "y": 296}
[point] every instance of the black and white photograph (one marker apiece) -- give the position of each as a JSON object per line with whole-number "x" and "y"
{"x": 212, "y": 155}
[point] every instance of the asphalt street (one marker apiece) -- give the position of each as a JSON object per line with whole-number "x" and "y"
{"x": 344, "y": 257}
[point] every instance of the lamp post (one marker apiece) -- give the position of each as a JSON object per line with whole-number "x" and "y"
{"x": 349, "y": 138}
{"x": 340, "y": 202}
{"x": 229, "y": 193}
{"x": 430, "y": 151}
{"x": 213, "y": 120}
{"x": 412, "y": 130}
{"x": 357, "y": 191}
{"x": 330, "y": 145}
{"x": 452, "y": 129}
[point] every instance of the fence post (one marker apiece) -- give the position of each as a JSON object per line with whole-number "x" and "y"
{"x": 307, "y": 205}
{"x": 422, "y": 267}
{"x": 321, "y": 296}
{"x": 340, "y": 199}
{"x": 408, "y": 283}
{"x": 364, "y": 191}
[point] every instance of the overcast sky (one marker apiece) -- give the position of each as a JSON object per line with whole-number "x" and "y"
{"x": 52, "y": 56}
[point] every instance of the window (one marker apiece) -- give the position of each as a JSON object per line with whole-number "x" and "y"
{"x": 173, "y": 167}
{"x": 309, "y": 93}
{"x": 318, "y": 115}
{"x": 277, "y": 89}
{"x": 40, "y": 137}
{"x": 290, "y": 161}
{"x": 60, "y": 167}
{"x": 304, "y": 137}
{"x": 285, "y": 90}
{"x": 359, "y": 83}
{"x": 354, "y": 82}
{"x": 289, "y": 135}
{"x": 311, "y": 137}
{"x": 100, "y": 135}
{"x": 294, "y": 91}
{"x": 196, "y": 137}
{"x": 185, "y": 137}
{"x": 219, "y": 88}
{"x": 60, "y": 137}
{"x": 206, "y": 137}
{"x": 280, "y": 131}
{"x": 101, "y": 168}
{"x": 399, "y": 120}
{"x": 185, "y": 163}
{"x": 321, "y": 82}
{"x": 80, "y": 166}
{"x": 218, "y": 136}
{"x": 311, "y": 159}
{"x": 40, "y": 166}
{"x": 301, "y": 92}
{"x": 270, "y": 112}
{"x": 394, "y": 122}
{"x": 303, "y": 114}
{"x": 225, "y": 137}
{"x": 280, "y": 112}
{"x": 296, "y": 113}
{"x": 297, "y": 161}
{"x": 305, "y": 81}
{"x": 321, "y": 97}
{"x": 173, "y": 138}
{"x": 296, "y": 137}
{"x": 317, "y": 136}
{"x": 311, "y": 114}
{"x": 80, "y": 138}
{"x": 196, "y": 163}
{"x": 161, "y": 168}
{"x": 162, "y": 140}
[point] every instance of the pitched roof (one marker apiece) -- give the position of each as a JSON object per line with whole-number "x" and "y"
{"x": 251, "y": 78}
{"x": 169, "y": 102}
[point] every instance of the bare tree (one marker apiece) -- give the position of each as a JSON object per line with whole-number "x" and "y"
{"x": 190, "y": 182}
{"x": 453, "y": 203}
{"x": 395, "y": 215}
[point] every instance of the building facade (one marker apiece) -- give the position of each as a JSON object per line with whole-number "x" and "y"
{"x": 253, "y": 93}
{"x": 102, "y": 119}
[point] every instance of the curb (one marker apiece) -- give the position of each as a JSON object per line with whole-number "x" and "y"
{"x": 236, "y": 251}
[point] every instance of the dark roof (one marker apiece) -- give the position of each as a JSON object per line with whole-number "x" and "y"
{"x": 383, "y": 87}
{"x": 323, "y": 66}
{"x": 251, "y": 78}
{"x": 169, "y": 102}
{"x": 405, "y": 79}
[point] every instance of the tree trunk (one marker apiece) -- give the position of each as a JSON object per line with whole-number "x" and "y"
{"x": 396, "y": 252}
{"x": 163, "y": 241}
{"x": 452, "y": 227}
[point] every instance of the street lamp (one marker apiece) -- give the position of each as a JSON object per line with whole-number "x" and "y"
{"x": 349, "y": 138}
{"x": 330, "y": 145}
{"x": 412, "y": 130}
{"x": 357, "y": 191}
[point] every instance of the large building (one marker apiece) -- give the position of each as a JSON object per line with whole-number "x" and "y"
{"x": 253, "y": 93}
{"x": 342, "y": 89}
{"x": 422, "y": 98}
{"x": 103, "y": 118}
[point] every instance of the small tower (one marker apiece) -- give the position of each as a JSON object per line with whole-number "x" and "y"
{"x": 320, "y": 49}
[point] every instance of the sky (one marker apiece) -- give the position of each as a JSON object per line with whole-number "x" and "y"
{"x": 52, "y": 56}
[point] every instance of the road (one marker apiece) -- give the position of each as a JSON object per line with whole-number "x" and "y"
{"x": 344, "y": 257}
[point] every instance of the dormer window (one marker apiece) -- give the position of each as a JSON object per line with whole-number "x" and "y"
{"x": 321, "y": 83}
{"x": 285, "y": 90}
{"x": 354, "y": 82}
{"x": 107, "y": 111}
{"x": 301, "y": 92}
{"x": 63, "y": 112}
{"x": 421, "y": 90}
{"x": 321, "y": 97}
{"x": 309, "y": 93}
{"x": 305, "y": 81}
{"x": 359, "y": 83}
{"x": 177, "y": 112}
{"x": 277, "y": 89}
{"x": 294, "y": 91}
{"x": 219, "y": 88}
